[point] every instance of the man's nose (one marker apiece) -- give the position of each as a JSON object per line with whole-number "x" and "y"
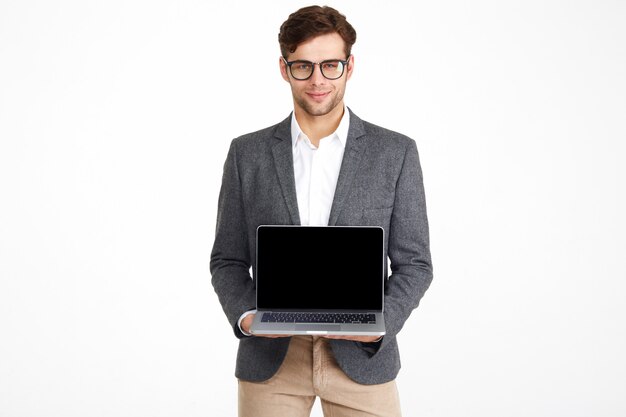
{"x": 317, "y": 77}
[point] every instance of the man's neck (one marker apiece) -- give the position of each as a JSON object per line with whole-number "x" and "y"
{"x": 318, "y": 127}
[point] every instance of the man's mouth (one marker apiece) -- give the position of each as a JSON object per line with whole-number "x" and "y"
{"x": 318, "y": 96}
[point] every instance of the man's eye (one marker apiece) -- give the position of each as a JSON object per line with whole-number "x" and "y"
{"x": 303, "y": 67}
{"x": 330, "y": 65}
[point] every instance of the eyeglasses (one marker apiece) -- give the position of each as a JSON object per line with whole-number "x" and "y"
{"x": 331, "y": 69}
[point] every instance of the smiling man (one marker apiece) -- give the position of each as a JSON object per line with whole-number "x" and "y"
{"x": 318, "y": 95}
{"x": 321, "y": 166}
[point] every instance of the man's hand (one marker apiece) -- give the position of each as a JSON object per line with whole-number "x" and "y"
{"x": 247, "y": 322}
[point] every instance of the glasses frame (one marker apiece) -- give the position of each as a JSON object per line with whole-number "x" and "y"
{"x": 319, "y": 64}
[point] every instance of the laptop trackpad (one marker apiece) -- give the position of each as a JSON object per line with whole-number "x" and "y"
{"x": 318, "y": 327}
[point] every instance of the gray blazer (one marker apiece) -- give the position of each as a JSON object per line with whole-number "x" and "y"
{"x": 380, "y": 184}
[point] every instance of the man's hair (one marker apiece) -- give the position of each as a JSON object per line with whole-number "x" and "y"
{"x": 313, "y": 21}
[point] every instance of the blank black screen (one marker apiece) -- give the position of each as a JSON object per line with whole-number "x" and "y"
{"x": 311, "y": 268}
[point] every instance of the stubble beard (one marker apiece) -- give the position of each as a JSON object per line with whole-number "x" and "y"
{"x": 313, "y": 110}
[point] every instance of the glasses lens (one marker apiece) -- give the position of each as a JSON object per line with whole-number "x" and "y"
{"x": 332, "y": 69}
{"x": 301, "y": 70}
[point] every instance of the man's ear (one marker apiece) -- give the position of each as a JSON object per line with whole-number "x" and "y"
{"x": 283, "y": 69}
{"x": 350, "y": 66}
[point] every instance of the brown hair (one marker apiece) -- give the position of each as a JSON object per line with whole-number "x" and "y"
{"x": 313, "y": 21}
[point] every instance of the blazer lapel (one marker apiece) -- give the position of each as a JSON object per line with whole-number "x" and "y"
{"x": 283, "y": 160}
{"x": 349, "y": 166}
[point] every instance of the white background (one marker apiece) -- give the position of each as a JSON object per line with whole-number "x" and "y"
{"x": 115, "y": 118}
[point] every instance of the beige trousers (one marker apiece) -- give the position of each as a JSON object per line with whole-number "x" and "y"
{"x": 310, "y": 371}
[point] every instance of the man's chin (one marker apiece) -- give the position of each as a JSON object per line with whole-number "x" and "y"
{"x": 318, "y": 111}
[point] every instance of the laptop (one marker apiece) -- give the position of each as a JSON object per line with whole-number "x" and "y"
{"x": 319, "y": 280}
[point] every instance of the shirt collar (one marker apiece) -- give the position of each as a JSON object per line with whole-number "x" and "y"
{"x": 341, "y": 132}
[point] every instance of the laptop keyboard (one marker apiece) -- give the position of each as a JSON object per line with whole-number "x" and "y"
{"x": 350, "y": 318}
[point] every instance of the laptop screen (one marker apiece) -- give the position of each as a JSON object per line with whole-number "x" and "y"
{"x": 320, "y": 268}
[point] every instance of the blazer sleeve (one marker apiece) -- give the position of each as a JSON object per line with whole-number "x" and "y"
{"x": 230, "y": 257}
{"x": 408, "y": 248}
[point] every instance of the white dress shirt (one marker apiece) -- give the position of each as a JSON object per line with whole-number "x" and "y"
{"x": 316, "y": 171}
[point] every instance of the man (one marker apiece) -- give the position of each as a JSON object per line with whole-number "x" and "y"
{"x": 320, "y": 166}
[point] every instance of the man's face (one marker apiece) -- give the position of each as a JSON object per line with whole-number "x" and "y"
{"x": 317, "y": 95}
